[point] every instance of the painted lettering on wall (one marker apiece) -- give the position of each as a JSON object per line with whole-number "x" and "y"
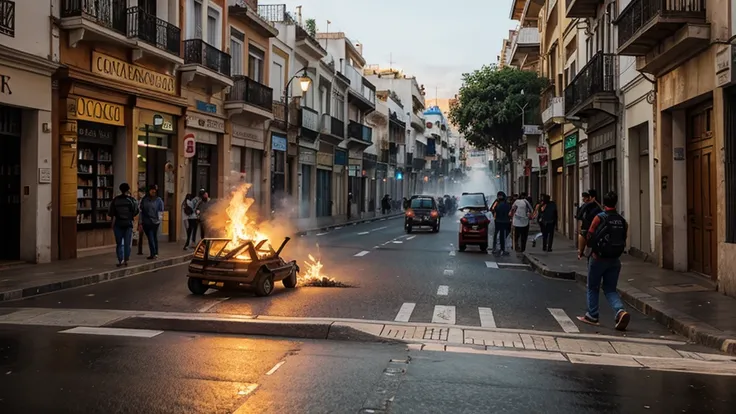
{"x": 97, "y": 111}
{"x": 5, "y": 85}
{"x": 121, "y": 71}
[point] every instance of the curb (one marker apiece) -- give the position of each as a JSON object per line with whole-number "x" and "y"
{"x": 91, "y": 279}
{"x": 694, "y": 329}
{"x": 347, "y": 223}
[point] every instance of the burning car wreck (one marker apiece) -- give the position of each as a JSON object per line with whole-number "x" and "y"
{"x": 220, "y": 263}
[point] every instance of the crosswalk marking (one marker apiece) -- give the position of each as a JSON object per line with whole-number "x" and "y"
{"x": 452, "y": 253}
{"x": 565, "y": 322}
{"x": 362, "y": 233}
{"x": 444, "y": 314}
{"x": 486, "y": 318}
{"x": 443, "y": 290}
{"x": 361, "y": 254}
{"x": 492, "y": 265}
{"x": 405, "y": 312}
{"x": 410, "y": 237}
{"x": 89, "y": 330}
{"x": 448, "y": 272}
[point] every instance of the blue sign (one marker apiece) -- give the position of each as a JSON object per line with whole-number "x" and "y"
{"x": 278, "y": 143}
{"x": 341, "y": 157}
{"x": 206, "y": 107}
{"x": 399, "y": 175}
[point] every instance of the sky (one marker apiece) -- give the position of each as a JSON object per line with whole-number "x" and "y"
{"x": 436, "y": 41}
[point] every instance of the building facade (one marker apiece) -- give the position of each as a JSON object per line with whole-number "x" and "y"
{"x": 28, "y": 59}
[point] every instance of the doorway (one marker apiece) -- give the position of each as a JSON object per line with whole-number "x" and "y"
{"x": 701, "y": 192}
{"x": 639, "y": 190}
{"x": 10, "y": 132}
{"x": 324, "y": 198}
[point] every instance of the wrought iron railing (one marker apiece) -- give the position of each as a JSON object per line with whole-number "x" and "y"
{"x": 199, "y": 52}
{"x": 154, "y": 31}
{"x": 279, "y": 111}
{"x": 597, "y": 76}
{"x": 337, "y": 127}
{"x": 275, "y": 13}
{"x": 7, "y": 18}
{"x": 639, "y": 12}
{"x": 359, "y": 131}
{"x": 249, "y": 91}
{"x": 109, "y": 13}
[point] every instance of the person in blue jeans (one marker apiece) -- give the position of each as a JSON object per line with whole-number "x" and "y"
{"x": 607, "y": 240}
{"x": 151, "y": 209}
{"x": 123, "y": 210}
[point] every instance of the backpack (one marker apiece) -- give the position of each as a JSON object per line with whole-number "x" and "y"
{"x": 609, "y": 239}
{"x": 188, "y": 209}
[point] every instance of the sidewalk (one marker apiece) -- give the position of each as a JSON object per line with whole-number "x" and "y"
{"x": 307, "y": 225}
{"x": 686, "y": 303}
{"x": 26, "y": 280}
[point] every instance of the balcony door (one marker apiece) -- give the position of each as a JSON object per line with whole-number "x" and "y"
{"x": 148, "y": 6}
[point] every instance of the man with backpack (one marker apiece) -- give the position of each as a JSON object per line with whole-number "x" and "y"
{"x": 607, "y": 241}
{"x": 123, "y": 210}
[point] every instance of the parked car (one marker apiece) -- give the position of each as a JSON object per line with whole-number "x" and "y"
{"x": 422, "y": 212}
{"x": 474, "y": 222}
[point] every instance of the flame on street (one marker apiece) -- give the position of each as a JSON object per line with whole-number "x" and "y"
{"x": 312, "y": 275}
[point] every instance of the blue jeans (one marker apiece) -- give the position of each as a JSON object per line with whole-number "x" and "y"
{"x": 603, "y": 273}
{"x": 123, "y": 238}
{"x": 151, "y": 232}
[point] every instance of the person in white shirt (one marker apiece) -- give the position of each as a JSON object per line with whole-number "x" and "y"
{"x": 521, "y": 213}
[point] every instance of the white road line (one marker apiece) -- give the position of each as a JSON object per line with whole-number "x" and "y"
{"x": 397, "y": 241}
{"x": 248, "y": 389}
{"x": 380, "y": 228}
{"x": 492, "y": 265}
{"x": 275, "y": 368}
{"x": 444, "y": 314}
{"x": 405, "y": 312}
{"x": 382, "y": 219}
{"x": 337, "y": 228}
{"x": 322, "y": 234}
{"x": 443, "y": 290}
{"x": 137, "y": 333}
{"x": 363, "y": 233}
{"x": 452, "y": 253}
{"x": 565, "y": 322}
{"x": 361, "y": 254}
{"x": 410, "y": 237}
{"x": 486, "y": 318}
{"x": 215, "y": 302}
{"x": 448, "y": 272}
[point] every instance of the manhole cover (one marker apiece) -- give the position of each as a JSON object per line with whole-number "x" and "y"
{"x": 682, "y": 287}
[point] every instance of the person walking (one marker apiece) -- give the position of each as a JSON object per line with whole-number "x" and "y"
{"x": 548, "y": 217}
{"x": 190, "y": 220}
{"x": 501, "y": 223}
{"x": 386, "y": 204}
{"x": 521, "y": 212}
{"x": 201, "y": 211}
{"x": 123, "y": 210}
{"x": 606, "y": 238}
{"x": 585, "y": 215}
{"x": 152, "y": 207}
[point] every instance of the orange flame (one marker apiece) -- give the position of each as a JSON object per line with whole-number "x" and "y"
{"x": 313, "y": 271}
{"x": 239, "y": 227}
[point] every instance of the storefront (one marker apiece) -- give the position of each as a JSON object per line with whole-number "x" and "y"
{"x": 307, "y": 181}
{"x": 571, "y": 198}
{"x": 325, "y": 161}
{"x": 583, "y": 170}
{"x": 370, "y": 183}
{"x": 246, "y": 155}
{"x": 279, "y": 146}
{"x": 602, "y": 158}
{"x": 25, "y": 157}
{"x": 557, "y": 171}
{"x": 208, "y": 132}
{"x": 543, "y": 155}
{"x": 356, "y": 182}
{"x": 340, "y": 181}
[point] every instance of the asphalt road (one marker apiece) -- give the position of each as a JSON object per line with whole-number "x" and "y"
{"x": 44, "y": 371}
{"x": 415, "y": 278}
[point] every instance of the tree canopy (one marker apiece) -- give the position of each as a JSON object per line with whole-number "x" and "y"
{"x": 488, "y": 109}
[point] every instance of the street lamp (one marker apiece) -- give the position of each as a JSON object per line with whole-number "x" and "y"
{"x": 304, "y": 83}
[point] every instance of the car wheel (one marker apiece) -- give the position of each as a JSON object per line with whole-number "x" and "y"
{"x": 483, "y": 247}
{"x": 461, "y": 247}
{"x": 291, "y": 280}
{"x": 264, "y": 284}
{"x": 196, "y": 286}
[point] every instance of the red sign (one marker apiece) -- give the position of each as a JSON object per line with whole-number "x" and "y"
{"x": 541, "y": 150}
{"x": 189, "y": 146}
{"x": 543, "y": 160}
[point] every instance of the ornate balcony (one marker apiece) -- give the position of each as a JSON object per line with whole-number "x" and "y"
{"x": 205, "y": 65}
{"x": 645, "y": 26}
{"x": 581, "y": 8}
{"x": 247, "y": 95}
{"x": 153, "y": 31}
{"x": 361, "y": 92}
{"x": 7, "y": 18}
{"x": 593, "y": 90}
{"x": 332, "y": 131}
{"x": 359, "y": 136}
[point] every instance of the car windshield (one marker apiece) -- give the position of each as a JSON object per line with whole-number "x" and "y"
{"x": 421, "y": 203}
{"x": 472, "y": 201}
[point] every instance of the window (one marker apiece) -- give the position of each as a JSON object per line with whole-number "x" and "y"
{"x": 237, "y": 39}
{"x": 277, "y": 79}
{"x": 256, "y": 57}
{"x": 213, "y": 27}
{"x": 422, "y": 203}
{"x": 236, "y": 159}
{"x": 573, "y": 70}
{"x": 195, "y": 28}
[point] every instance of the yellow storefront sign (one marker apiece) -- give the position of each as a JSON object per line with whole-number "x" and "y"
{"x": 116, "y": 69}
{"x": 98, "y": 111}
{"x": 556, "y": 151}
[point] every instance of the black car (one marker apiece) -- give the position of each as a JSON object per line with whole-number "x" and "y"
{"x": 422, "y": 212}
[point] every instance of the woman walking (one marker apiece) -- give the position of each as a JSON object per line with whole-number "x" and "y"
{"x": 152, "y": 207}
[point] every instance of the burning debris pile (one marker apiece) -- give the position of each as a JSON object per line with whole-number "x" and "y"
{"x": 312, "y": 275}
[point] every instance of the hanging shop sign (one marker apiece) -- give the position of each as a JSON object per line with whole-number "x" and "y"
{"x": 570, "y": 157}
{"x": 279, "y": 143}
{"x": 121, "y": 71}
{"x": 206, "y": 107}
{"x": 307, "y": 156}
{"x": 190, "y": 147}
{"x": 97, "y": 111}
{"x": 571, "y": 141}
{"x": 205, "y": 122}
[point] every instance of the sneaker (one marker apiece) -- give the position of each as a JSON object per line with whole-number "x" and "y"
{"x": 622, "y": 320}
{"x": 119, "y": 264}
{"x": 150, "y": 257}
{"x": 587, "y": 319}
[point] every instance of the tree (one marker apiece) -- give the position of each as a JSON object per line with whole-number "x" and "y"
{"x": 488, "y": 110}
{"x": 311, "y": 27}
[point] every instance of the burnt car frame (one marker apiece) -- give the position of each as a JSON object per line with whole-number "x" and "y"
{"x": 215, "y": 265}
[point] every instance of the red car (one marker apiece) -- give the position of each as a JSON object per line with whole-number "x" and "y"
{"x": 474, "y": 222}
